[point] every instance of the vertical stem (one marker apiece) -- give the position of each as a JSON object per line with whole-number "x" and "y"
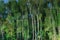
{"x": 40, "y": 29}
{"x": 22, "y": 29}
{"x": 37, "y": 23}
{"x": 29, "y": 19}
{"x": 54, "y": 31}
{"x": 58, "y": 16}
{"x": 33, "y": 28}
{"x": 15, "y": 29}
{"x": 2, "y": 34}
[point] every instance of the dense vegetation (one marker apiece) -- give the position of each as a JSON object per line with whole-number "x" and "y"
{"x": 30, "y": 20}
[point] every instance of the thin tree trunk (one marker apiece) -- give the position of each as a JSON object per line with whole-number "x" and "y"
{"x": 15, "y": 29}
{"x": 33, "y": 28}
{"x": 2, "y": 34}
{"x": 29, "y": 19}
{"x": 41, "y": 29}
{"x": 54, "y": 31}
{"x": 58, "y": 17}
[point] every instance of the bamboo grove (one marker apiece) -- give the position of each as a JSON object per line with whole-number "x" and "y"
{"x": 30, "y": 20}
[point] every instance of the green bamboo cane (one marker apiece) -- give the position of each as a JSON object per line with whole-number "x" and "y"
{"x": 53, "y": 26}
{"x": 30, "y": 25}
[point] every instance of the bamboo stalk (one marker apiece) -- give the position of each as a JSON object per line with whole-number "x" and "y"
{"x": 41, "y": 29}
{"x": 34, "y": 29}
{"x": 54, "y": 31}
{"x": 58, "y": 14}
{"x": 2, "y": 34}
{"x": 32, "y": 25}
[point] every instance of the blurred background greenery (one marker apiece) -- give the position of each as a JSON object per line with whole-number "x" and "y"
{"x": 29, "y": 19}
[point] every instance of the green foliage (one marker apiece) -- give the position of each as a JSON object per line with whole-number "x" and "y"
{"x": 30, "y": 20}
